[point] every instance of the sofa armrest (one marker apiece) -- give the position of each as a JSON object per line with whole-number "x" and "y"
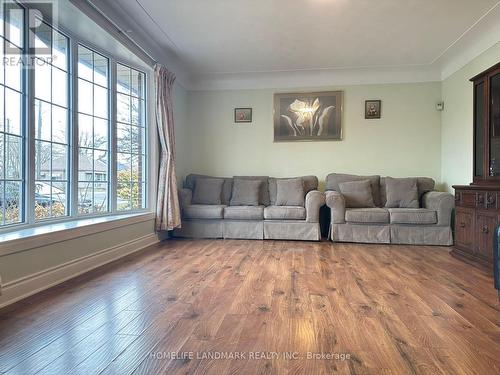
{"x": 185, "y": 196}
{"x": 314, "y": 200}
{"x": 336, "y": 202}
{"x": 442, "y": 203}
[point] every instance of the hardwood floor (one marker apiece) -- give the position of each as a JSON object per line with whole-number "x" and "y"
{"x": 374, "y": 308}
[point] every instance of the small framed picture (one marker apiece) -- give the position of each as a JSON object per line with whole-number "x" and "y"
{"x": 243, "y": 115}
{"x": 372, "y": 109}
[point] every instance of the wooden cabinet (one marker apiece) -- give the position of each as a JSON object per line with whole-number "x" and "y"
{"x": 478, "y": 204}
{"x": 477, "y": 214}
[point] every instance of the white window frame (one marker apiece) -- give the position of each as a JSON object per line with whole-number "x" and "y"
{"x": 28, "y": 200}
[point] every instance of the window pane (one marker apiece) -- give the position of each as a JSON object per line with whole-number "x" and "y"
{"x": 85, "y": 136}
{"x": 59, "y": 162}
{"x": 59, "y": 87}
{"x": 85, "y": 97}
{"x": 100, "y": 70}
{"x": 101, "y": 134}
{"x": 85, "y": 64}
{"x": 43, "y": 80}
{"x": 100, "y": 102}
{"x": 123, "y": 138}
{"x": 43, "y": 36}
{"x": 13, "y": 70}
{"x": 123, "y": 79}
{"x": 59, "y": 124}
{"x": 14, "y": 21}
{"x": 85, "y": 196}
{"x": 60, "y": 51}
{"x": 2, "y": 150}
{"x": 13, "y": 194}
{"x": 13, "y": 157}
{"x": 100, "y": 197}
{"x": 123, "y": 108}
{"x": 58, "y": 199}
{"x": 123, "y": 201}
{"x": 12, "y": 112}
{"x": 137, "y": 84}
{"x": 42, "y": 120}
{"x": 43, "y": 154}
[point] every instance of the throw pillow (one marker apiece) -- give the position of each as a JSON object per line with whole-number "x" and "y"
{"x": 357, "y": 194}
{"x": 245, "y": 192}
{"x": 290, "y": 192}
{"x": 207, "y": 191}
{"x": 401, "y": 192}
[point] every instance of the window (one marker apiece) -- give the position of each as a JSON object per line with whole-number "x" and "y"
{"x": 93, "y": 132}
{"x": 67, "y": 149}
{"x": 11, "y": 118}
{"x": 51, "y": 125}
{"x": 130, "y": 139}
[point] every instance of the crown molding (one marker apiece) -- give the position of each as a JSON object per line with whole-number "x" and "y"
{"x": 483, "y": 35}
{"x": 315, "y": 78}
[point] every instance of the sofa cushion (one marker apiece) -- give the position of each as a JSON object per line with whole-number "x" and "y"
{"x": 412, "y": 216}
{"x": 290, "y": 192}
{"x": 244, "y": 212}
{"x": 227, "y": 187}
{"x": 203, "y": 211}
{"x": 334, "y": 179}
{"x": 357, "y": 194}
{"x": 207, "y": 191}
{"x": 284, "y": 213}
{"x": 401, "y": 192}
{"x": 310, "y": 183}
{"x": 245, "y": 192}
{"x": 424, "y": 185}
{"x": 264, "y": 189}
{"x": 367, "y": 215}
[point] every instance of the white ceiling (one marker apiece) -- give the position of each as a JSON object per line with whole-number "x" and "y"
{"x": 211, "y": 37}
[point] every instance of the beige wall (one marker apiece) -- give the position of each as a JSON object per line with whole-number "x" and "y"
{"x": 405, "y": 141}
{"x": 456, "y": 124}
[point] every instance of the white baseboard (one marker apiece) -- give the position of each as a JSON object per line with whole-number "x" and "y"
{"x": 19, "y": 289}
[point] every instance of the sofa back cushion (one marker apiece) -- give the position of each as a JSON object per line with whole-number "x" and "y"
{"x": 245, "y": 192}
{"x": 401, "y": 192}
{"x": 424, "y": 185}
{"x": 357, "y": 194}
{"x": 227, "y": 187}
{"x": 290, "y": 192}
{"x": 264, "y": 188}
{"x": 309, "y": 182}
{"x": 334, "y": 179}
{"x": 208, "y": 191}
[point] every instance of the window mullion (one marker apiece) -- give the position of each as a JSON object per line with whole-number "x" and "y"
{"x": 74, "y": 127}
{"x": 29, "y": 157}
{"x": 113, "y": 184}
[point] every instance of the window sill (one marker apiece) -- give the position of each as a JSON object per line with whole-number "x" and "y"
{"x": 29, "y": 238}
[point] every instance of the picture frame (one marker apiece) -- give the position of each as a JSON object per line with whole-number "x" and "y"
{"x": 242, "y": 115}
{"x": 308, "y": 116}
{"x": 373, "y": 109}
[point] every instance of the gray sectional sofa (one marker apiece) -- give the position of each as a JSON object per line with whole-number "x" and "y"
{"x": 285, "y": 209}
{"x": 400, "y": 211}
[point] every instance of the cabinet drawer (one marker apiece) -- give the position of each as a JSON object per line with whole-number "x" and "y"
{"x": 464, "y": 229}
{"x": 470, "y": 198}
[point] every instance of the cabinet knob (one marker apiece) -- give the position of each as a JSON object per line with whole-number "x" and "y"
{"x": 462, "y": 225}
{"x": 490, "y": 201}
{"x": 485, "y": 229}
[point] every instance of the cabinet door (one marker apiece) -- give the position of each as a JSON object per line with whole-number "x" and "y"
{"x": 464, "y": 229}
{"x": 485, "y": 227}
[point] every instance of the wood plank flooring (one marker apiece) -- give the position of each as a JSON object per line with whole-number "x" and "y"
{"x": 269, "y": 307}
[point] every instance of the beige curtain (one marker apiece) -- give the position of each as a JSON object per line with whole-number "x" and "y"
{"x": 168, "y": 214}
